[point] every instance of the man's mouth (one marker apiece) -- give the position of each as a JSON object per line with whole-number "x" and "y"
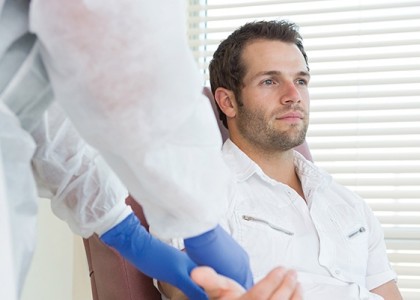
{"x": 291, "y": 116}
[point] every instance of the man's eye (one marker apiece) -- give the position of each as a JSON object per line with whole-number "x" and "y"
{"x": 302, "y": 82}
{"x": 268, "y": 82}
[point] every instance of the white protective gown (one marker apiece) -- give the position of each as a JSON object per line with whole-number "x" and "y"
{"x": 84, "y": 192}
{"x": 123, "y": 73}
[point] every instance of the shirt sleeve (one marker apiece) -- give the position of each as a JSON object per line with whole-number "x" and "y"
{"x": 84, "y": 192}
{"x": 125, "y": 75}
{"x": 379, "y": 270}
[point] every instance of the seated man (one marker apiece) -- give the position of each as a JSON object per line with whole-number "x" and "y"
{"x": 283, "y": 209}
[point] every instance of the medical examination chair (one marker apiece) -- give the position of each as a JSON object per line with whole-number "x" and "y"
{"x": 111, "y": 276}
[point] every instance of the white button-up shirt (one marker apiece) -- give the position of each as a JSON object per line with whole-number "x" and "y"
{"x": 333, "y": 239}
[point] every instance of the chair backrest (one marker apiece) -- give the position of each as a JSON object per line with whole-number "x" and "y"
{"x": 112, "y": 277}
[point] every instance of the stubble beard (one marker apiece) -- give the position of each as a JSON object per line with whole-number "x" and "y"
{"x": 261, "y": 132}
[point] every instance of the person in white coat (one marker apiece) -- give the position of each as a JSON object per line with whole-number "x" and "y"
{"x": 124, "y": 75}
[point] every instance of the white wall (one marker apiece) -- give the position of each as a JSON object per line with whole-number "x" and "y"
{"x": 59, "y": 269}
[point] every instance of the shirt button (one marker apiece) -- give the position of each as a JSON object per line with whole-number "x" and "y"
{"x": 337, "y": 272}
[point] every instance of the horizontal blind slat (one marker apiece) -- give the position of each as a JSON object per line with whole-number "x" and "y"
{"x": 402, "y": 219}
{"x": 302, "y": 11}
{"x": 362, "y": 32}
{"x": 366, "y": 94}
{"x": 404, "y": 233}
{"x": 227, "y": 5}
{"x": 395, "y": 207}
{"x": 365, "y": 81}
{"x": 367, "y": 44}
{"x": 365, "y": 56}
{"x": 364, "y": 131}
{"x": 364, "y": 19}
{"x": 365, "y": 69}
{"x": 413, "y": 194}
{"x": 372, "y": 157}
{"x": 409, "y": 143}
{"x": 361, "y": 169}
{"x": 406, "y": 270}
{"x": 361, "y": 105}
{"x": 408, "y": 116}
{"x": 407, "y": 281}
{"x": 410, "y": 293}
{"x": 393, "y": 180}
{"x": 401, "y": 244}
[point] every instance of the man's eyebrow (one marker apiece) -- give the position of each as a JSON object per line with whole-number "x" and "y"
{"x": 265, "y": 73}
{"x": 304, "y": 74}
{"x": 277, "y": 73}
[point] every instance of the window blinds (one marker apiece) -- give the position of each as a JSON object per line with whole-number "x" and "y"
{"x": 365, "y": 100}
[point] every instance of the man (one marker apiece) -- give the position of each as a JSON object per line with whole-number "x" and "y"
{"x": 283, "y": 209}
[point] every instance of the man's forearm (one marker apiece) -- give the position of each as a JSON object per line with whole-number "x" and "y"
{"x": 389, "y": 291}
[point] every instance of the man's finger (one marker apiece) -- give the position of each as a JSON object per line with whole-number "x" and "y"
{"x": 298, "y": 294}
{"x": 267, "y": 286}
{"x": 215, "y": 285}
{"x": 287, "y": 288}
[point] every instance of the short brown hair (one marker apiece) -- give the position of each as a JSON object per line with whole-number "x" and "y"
{"x": 227, "y": 69}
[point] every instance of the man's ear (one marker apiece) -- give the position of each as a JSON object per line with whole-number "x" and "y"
{"x": 226, "y": 101}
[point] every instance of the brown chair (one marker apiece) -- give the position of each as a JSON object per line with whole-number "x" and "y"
{"x": 112, "y": 277}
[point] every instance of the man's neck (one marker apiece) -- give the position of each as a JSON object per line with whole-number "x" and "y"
{"x": 278, "y": 165}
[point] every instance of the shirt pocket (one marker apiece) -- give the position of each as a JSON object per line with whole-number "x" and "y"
{"x": 267, "y": 239}
{"x": 352, "y": 242}
{"x": 267, "y": 223}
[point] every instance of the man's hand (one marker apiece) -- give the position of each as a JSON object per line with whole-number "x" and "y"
{"x": 279, "y": 284}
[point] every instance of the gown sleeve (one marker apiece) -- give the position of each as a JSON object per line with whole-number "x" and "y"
{"x": 84, "y": 192}
{"x": 123, "y": 72}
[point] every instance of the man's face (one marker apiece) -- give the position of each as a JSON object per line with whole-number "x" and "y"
{"x": 274, "y": 114}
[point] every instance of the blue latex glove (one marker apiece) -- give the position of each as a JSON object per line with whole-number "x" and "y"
{"x": 217, "y": 249}
{"x": 153, "y": 257}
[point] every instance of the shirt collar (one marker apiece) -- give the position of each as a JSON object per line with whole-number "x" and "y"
{"x": 244, "y": 167}
{"x": 310, "y": 175}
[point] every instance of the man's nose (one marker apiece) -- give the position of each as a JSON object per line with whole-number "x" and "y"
{"x": 290, "y": 94}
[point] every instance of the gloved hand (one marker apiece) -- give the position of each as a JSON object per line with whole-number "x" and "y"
{"x": 153, "y": 257}
{"x": 217, "y": 249}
